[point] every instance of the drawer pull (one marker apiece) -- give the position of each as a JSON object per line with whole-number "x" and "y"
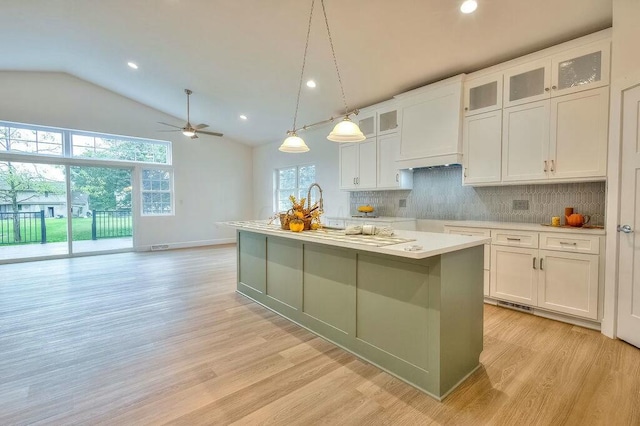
{"x": 534, "y": 263}
{"x": 564, "y": 243}
{"x": 513, "y": 239}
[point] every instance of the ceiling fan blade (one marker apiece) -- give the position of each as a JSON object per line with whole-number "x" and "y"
{"x": 195, "y": 136}
{"x": 201, "y": 126}
{"x": 210, "y": 133}
{"x": 170, "y": 125}
{"x": 176, "y": 130}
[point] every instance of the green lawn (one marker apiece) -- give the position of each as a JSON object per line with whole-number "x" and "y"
{"x": 56, "y": 230}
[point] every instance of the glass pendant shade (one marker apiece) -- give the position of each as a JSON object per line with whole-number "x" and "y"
{"x": 346, "y": 131}
{"x": 188, "y": 133}
{"x": 293, "y": 144}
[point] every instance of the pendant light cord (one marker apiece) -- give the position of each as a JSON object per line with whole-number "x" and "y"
{"x": 304, "y": 61}
{"x": 335, "y": 61}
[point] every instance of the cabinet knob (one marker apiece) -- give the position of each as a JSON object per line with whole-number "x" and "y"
{"x": 554, "y": 87}
{"x": 466, "y": 108}
{"x": 546, "y": 89}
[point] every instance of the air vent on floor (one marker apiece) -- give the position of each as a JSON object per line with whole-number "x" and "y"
{"x": 159, "y": 247}
{"x": 515, "y": 306}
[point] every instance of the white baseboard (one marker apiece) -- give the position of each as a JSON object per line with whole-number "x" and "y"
{"x": 185, "y": 244}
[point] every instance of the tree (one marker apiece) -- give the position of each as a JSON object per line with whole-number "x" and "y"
{"x": 20, "y": 182}
{"x": 108, "y": 188}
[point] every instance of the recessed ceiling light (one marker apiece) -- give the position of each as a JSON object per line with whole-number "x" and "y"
{"x": 469, "y": 6}
{"x": 132, "y": 65}
{"x": 242, "y": 116}
{"x": 311, "y": 84}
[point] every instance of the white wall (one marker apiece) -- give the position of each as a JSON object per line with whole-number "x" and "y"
{"x": 323, "y": 153}
{"x": 625, "y": 72}
{"x": 213, "y": 176}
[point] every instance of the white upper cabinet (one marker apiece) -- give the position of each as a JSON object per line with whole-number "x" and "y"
{"x": 582, "y": 68}
{"x": 388, "y": 119}
{"x": 482, "y": 143}
{"x": 358, "y": 165}
{"x": 483, "y": 94}
{"x": 525, "y": 142}
{"x": 527, "y": 83}
{"x": 578, "y": 135}
{"x": 366, "y": 120}
{"x": 389, "y": 176}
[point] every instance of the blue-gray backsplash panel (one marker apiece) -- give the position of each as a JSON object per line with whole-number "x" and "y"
{"x": 438, "y": 194}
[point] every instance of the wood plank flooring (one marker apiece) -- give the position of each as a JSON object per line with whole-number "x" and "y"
{"x": 162, "y": 338}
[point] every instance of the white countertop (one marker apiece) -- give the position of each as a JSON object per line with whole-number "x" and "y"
{"x": 517, "y": 226}
{"x": 431, "y": 244}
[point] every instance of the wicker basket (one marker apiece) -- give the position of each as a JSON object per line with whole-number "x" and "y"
{"x": 284, "y": 220}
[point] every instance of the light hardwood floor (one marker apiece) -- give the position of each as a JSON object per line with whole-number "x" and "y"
{"x": 155, "y": 338}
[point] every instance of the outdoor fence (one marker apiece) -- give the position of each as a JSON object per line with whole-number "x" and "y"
{"x": 23, "y": 228}
{"x": 111, "y": 224}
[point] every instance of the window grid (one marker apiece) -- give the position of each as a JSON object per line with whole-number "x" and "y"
{"x": 157, "y": 192}
{"x": 294, "y": 180}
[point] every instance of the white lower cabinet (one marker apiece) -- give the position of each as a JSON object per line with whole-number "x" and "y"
{"x": 562, "y": 275}
{"x": 514, "y": 275}
{"x": 568, "y": 283}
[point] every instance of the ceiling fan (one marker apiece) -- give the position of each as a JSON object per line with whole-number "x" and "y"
{"x": 188, "y": 129}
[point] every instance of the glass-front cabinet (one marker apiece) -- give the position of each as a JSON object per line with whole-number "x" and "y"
{"x": 527, "y": 83}
{"x": 366, "y": 120}
{"x": 388, "y": 119}
{"x": 582, "y": 68}
{"x": 483, "y": 94}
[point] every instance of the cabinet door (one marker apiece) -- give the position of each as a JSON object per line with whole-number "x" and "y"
{"x": 367, "y": 122}
{"x": 525, "y": 142}
{"x": 579, "y": 134}
{"x": 482, "y": 144}
{"x": 569, "y": 283}
{"x": 582, "y": 68}
{"x": 348, "y": 165}
{"x": 483, "y": 94}
{"x": 527, "y": 83}
{"x": 388, "y": 120}
{"x": 388, "y": 151}
{"x": 514, "y": 275}
{"x": 367, "y": 153}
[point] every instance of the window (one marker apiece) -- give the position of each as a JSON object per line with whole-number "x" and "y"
{"x": 157, "y": 192}
{"x": 86, "y": 145}
{"x": 25, "y": 139}
{"x": 293, "y": 181}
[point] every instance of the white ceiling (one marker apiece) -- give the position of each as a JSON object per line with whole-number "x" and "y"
{"x": 244, "y": 56}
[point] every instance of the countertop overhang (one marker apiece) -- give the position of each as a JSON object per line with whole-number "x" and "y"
{"x": 429, "y": 243}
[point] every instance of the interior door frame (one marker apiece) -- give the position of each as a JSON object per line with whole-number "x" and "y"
{"x": 609, "y": 324}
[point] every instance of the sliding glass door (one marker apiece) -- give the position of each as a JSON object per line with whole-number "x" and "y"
{"x": 33, "y": 210}
{"x": 101, "y": 218}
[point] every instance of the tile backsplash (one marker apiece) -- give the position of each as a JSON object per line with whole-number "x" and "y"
{"x": 438, "y": 194}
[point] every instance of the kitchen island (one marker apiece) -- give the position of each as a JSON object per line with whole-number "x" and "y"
{"x": 411, "y": 304}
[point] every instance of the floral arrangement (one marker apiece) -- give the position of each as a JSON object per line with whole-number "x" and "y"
{"x": 310, "y": 215}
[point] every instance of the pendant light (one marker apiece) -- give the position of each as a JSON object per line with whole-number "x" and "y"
{"x": 346, "y": 130}
{"x": 294, "y": 143}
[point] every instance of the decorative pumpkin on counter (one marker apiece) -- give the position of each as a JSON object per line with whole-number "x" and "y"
{"x": 296, "y": 225}
{"x": 365, "y": 209}
{"x": 577, "y": 219}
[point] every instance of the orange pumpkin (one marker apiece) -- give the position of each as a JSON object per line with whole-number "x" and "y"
{"x": 296, "y": 225}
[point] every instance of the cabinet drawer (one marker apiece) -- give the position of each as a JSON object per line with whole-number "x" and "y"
{"x": 514, "y": 238}
{"x": 570, "y": 243}
{"x": 471, "y": 232}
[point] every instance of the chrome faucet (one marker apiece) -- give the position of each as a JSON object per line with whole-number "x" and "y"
{"x": 320, "y": 206}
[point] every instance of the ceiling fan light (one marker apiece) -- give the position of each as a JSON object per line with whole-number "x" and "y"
{"x": 188, "y": 132}
{"x": 346, "y": 131}
{"x": 293, "y": 144}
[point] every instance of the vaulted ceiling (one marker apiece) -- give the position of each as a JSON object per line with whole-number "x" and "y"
{"x": 244, "y": 56}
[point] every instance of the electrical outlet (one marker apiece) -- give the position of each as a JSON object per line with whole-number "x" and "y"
{"x": 402, "y": 203}
{"x": 520, "y": 204}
